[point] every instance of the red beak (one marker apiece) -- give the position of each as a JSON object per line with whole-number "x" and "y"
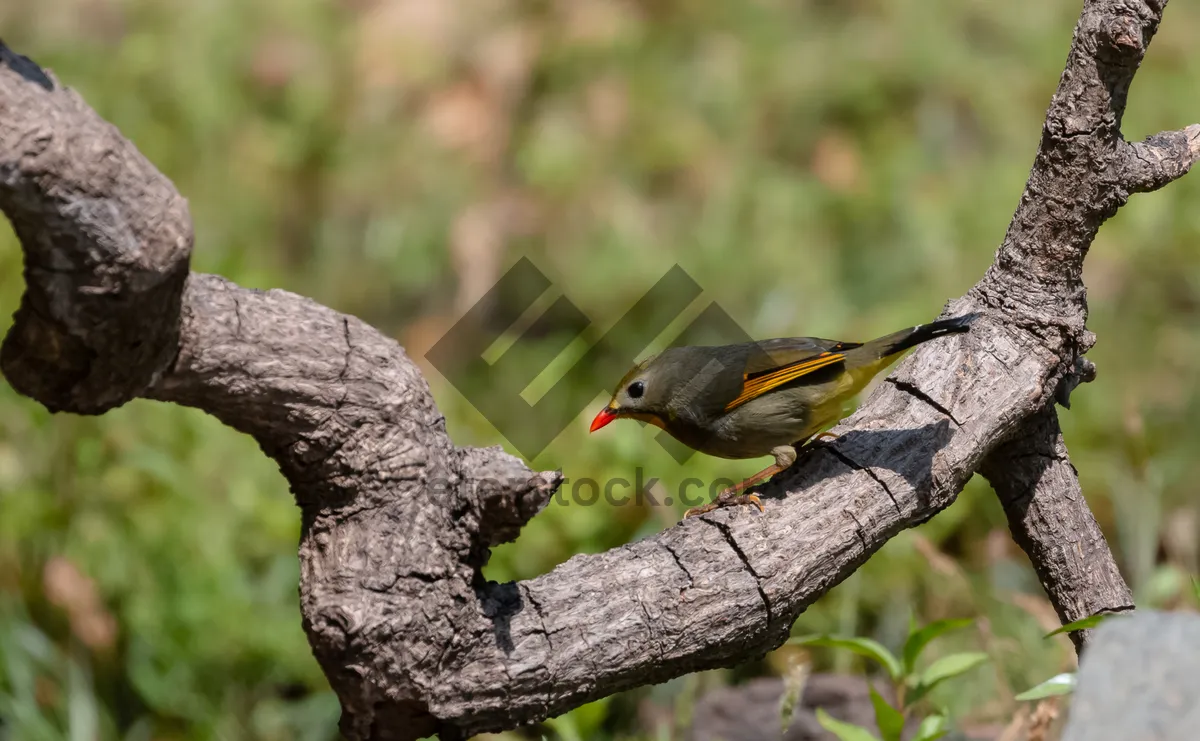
{"x": 605, "y": 416}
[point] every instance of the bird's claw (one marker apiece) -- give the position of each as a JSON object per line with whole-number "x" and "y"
{"x": 818, "y": 441}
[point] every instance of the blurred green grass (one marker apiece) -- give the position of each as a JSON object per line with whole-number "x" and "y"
{"x": 837, "y": 169}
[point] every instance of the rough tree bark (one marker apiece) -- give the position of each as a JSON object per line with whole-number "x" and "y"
{"x": 397, "y": 521}
{"x": 1052, "y": 523}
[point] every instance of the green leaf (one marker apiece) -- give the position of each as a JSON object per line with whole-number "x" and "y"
{"x": 1196, "y": 587}
{"x": 1059, "y": 684}
{"x": 889, "y": 719}
{"x": 1083, "y": 624}
{"x": 861, "y": 646}
{"x": 932, "y": 728}
{"x": 844, "y": 731}
{"x": 918, "y": 639}
{"x": 945, "y": 668}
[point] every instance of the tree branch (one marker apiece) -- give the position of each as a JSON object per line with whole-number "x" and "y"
{"x": 1161, "y": 158}
{"x": 107, "y": 241}
{"x": 1050, "y": 520}
{"x": 397, "y": 521}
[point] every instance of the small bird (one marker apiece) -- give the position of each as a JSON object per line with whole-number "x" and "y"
{"x": 772, "y": 397}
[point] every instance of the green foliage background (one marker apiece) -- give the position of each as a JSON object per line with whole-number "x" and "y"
{"x": 829, "y": 168}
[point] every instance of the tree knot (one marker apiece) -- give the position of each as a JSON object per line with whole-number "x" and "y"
{"x": 501, "y": 493}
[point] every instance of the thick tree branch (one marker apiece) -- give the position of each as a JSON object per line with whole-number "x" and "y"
{"x": 1084, "y": 170}
{"x": 107, "y": 242}
{"x": 1050, "y": 520}
{"x": 397, "y": 520}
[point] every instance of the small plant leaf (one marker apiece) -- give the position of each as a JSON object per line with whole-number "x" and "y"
{"x": 889, "y": 719}
{"x": 932, "y": 728}
{"x": 945, "y": 668}
{"x": 1059, "y": 684}
{"x": 861, "y": 646}
{"x": 1196, "y": 587}
{"x": 918, "y": 639}
{"x": 844, "y": 731}
{"x": 1083, "y": 624}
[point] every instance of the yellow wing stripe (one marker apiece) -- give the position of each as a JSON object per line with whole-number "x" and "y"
{"x": 783, "y": 375}
{"x": 763, "y": 384}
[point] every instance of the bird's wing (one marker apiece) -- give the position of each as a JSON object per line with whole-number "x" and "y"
{"x": 775, "y": 363}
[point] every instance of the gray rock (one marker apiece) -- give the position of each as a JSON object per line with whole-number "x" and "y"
{"x": 1139, "y": 681}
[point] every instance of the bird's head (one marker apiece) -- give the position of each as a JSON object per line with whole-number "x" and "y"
{"x": 650, "y": 390}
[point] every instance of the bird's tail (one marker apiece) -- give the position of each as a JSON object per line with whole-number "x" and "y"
{"x": 865, "y": 361}
{"x": 898, "y": 342}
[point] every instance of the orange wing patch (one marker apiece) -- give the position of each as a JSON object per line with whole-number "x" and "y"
{"x": 761, "y": 384}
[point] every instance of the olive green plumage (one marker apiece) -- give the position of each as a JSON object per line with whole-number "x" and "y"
{"x": 747, "y": 400}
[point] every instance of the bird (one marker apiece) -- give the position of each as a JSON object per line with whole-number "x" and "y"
{"x": 752, "y": 399}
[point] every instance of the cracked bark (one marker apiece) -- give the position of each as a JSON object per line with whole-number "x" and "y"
{"x": 397, "y": 520}
{"x": 859, "y": 467}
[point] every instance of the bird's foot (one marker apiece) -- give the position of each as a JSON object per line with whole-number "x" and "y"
{"x": 727, "y": 498}
{"x": 815, "y": 443}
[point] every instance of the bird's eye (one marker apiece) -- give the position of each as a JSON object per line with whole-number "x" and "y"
{"x": 636, "y": 389}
